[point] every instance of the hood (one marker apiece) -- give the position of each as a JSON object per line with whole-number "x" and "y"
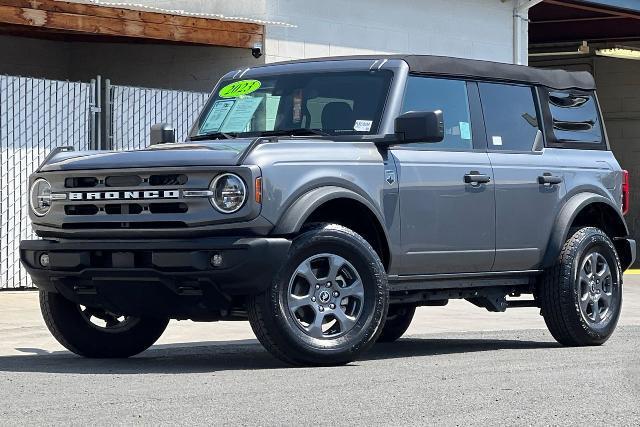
{"x": 212, "y": 153}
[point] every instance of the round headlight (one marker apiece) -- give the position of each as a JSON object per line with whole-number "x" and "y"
{"x": 229, "y": 192}
{"x": 40, "y": 197}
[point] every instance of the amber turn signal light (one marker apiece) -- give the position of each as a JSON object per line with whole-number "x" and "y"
{"x": 258, "y": 191}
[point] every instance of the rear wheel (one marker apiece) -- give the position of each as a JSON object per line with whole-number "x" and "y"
{"x": 398, "y": 320}
{"x": 581, "y": 296}
{"x": 98, "y": 333}
{"x": 327, "y": 303}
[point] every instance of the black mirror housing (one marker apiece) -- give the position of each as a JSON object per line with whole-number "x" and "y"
{"x": 420, "y": 126}
{"x": 162, "y": 133}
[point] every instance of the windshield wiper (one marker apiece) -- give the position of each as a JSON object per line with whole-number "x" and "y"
{"x": 294, "y": 132}
{"x": 213, "y": 135}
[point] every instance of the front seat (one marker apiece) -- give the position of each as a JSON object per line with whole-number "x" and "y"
{"x": 337, "y": 116}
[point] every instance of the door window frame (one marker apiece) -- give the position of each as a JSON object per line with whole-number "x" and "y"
{"x": 478, "y": 134}
{"x": 536, "y": 103}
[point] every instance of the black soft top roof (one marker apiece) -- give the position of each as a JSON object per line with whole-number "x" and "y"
{"x": 483, "y": 70}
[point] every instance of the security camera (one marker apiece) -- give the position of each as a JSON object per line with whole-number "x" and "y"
{"x": 256, "y": 50}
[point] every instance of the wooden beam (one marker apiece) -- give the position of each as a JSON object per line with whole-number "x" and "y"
{"x": 559, "y": 21}
{"x": 112, "y": 21}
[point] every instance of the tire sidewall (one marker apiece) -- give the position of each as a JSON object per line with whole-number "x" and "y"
{"x": 398, "y": 320}
{"x": 338, "y": 241}
{"x": 596, "y": 240}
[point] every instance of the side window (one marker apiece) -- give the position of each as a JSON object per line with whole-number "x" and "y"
{"x": 449, "y": 96}
{"x": 510, "y": 116}
{"x": 575, "y": 117}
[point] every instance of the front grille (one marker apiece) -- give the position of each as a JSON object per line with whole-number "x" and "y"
{"x": 137, "y": 199}
{"x": 123, "y": 209}
{"x": 80, "y": 209}
{"x": 168, "y": 179}
{"x": 79, "y": 182}
{"x": 165, "y": 208}
{"x": 125, "y": 183}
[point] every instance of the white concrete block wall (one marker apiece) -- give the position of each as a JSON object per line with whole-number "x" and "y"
{"x": 481, "y": 29}
{"x": 471, "y": 29}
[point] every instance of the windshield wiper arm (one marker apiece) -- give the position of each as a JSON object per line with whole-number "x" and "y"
{"x": 213, "y": 135}
{"x": 294, "y": 132}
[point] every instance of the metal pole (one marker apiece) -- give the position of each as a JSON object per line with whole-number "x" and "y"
{"x": 106, "y": 116}
{"x": 97, "y": 111}
{"x": 92, "y": 117}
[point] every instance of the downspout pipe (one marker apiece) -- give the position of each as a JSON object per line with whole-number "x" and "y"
{"x": 520, "y": 15}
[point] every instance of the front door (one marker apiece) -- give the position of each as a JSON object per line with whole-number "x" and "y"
{"x": 446, "y": 188}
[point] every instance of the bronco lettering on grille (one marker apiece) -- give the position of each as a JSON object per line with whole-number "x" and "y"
{"x": 126, "y": 195}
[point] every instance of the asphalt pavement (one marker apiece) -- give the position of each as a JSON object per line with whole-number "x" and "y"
{"x": 458, "y": 365}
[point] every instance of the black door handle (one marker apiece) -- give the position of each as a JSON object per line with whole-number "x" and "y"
{"x": 548, "y": 179}
{"x": 475, "y": 177}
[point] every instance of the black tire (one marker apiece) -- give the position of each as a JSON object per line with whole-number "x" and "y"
{"x": 74, "y": 330}
{"x": 281, "y": 332}
{"x": 569, "y": 299}
{"x": 399, "y": 318}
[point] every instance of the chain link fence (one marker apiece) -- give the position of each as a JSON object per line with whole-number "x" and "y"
{"x": 134, "y": 109}
{"x": 36, "y": 115}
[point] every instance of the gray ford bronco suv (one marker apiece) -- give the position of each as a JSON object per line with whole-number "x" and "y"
{"x": 326, "y": 199}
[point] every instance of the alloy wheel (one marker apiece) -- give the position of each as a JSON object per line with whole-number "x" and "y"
{"x": 595, "y": 288}
{"x": 325, "y": 296}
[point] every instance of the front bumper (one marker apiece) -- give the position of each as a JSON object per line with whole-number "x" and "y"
{"x": 173, "y": 278}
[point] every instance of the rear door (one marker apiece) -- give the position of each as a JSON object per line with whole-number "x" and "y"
{"x": 529, "y": 180}
{"x": 446, "y": 189}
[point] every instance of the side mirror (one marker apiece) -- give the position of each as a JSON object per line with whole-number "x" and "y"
{"x": 420, "y": 126}
{"x": 162, "y": 133}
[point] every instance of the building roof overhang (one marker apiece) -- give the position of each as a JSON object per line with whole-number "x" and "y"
{"x": 92, "y": 22}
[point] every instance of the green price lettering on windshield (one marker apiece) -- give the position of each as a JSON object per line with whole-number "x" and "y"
{"x": 239, "y": 88}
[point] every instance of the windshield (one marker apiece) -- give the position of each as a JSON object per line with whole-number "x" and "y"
{"x": 333, "y": 103}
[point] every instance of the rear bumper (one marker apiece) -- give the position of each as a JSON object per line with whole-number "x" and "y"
{"x": 173, "y": 278}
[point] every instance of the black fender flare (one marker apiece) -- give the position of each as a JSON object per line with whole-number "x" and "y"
{"x": 565, "y": 218}
{"x": 297, "y": 213}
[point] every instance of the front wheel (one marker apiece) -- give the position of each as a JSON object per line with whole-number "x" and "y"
{"x": 327, "y": 303}
{"x": 97, "y": 333}
{"x": 581, "y": 296}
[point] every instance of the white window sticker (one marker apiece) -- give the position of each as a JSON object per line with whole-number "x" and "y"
{"x": 496, "y": 140}
{"x": 241, "y": 114}
{"x": 362, "y": 125}
{"x": 465, "y": 130}
{"x": 216, "y": 116}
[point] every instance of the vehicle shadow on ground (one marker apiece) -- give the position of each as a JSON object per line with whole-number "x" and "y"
{"x": 229, "y": 356}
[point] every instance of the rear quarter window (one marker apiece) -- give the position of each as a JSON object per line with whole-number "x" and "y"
{"x": 574, "y": 118}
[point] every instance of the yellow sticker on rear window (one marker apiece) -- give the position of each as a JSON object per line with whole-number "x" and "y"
{"x": 239, "y": 88}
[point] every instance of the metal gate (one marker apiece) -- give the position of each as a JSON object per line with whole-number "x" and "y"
{"x": 37, "y": 115}
{"x": 134, "y": 109}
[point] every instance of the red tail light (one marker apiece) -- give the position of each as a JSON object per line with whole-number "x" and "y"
{"x": 626, "y": 190}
